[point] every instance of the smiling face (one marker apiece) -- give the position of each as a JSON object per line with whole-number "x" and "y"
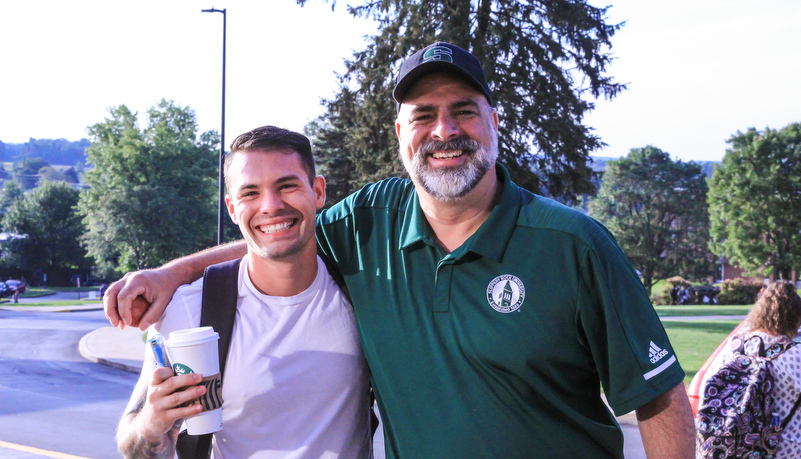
{"x": 448, "y": 135}
{"x": 272, "y": 201}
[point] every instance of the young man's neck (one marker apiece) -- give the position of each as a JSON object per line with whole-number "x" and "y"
{"x": 283, "y": 277}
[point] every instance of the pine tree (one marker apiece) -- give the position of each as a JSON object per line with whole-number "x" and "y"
{"x": 545, "y": 62}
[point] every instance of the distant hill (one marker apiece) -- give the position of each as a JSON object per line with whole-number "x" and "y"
{"x": 60, "y": 152}
{"x": 599, "y": 164}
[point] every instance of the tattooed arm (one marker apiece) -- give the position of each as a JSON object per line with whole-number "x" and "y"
{"x": 149, "y": 426}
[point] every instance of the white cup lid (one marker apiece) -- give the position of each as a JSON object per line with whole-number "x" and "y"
{"x": 192, "y": 336}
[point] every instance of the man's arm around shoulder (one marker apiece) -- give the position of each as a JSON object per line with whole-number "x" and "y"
{"x": 156, "y": 286}
{"x": 666, "y": 426}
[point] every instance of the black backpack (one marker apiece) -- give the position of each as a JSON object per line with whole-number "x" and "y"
{"x": 737, "y": 415}
{"x": 218, "y": 310}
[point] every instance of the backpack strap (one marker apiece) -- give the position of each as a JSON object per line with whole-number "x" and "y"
{"x": 220, "y": 292}
{"x": 218, "y": 310}
{"x": 770, "y": 352}
{"x": 334, "y": 272}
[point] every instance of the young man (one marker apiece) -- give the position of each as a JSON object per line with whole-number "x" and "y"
{"x": 296, "y": 383}
{"x": 490, "y": 316}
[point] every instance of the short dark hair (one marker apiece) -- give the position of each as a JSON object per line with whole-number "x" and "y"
{"x": 777, "y": 311}
{"x": 272, "y": 138}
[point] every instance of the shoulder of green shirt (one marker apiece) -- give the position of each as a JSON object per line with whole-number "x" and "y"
{"x": 544, "y": 213}
{"x": 387, "y": 193}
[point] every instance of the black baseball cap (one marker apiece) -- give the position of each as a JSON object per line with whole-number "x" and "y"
{"x": 440, "y": 57}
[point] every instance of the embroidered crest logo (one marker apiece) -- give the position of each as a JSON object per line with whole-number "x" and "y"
{"x": 506, "y": 293}
{"x": 438, "y": 53}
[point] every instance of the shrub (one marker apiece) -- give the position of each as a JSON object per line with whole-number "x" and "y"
{"x": 739, "y": 291}
{"x": 662, "y": 297}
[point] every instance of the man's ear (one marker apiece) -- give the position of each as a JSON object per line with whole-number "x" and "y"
{"x": 318, "y": 186}
{"x": 229, "y": 204}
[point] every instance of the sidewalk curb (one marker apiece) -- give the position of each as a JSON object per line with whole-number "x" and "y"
{"x": 99, "y": 339}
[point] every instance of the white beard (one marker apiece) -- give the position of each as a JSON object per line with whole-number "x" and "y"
{"x": 452, "y": 183}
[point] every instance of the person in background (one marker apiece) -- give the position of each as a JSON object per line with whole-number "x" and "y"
{"x": 490, "y": 317}
{"x": 20, "y": 288}
{"x": 775, "y": 318}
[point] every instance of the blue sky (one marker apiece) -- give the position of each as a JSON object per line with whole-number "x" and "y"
{"x": 698, "y": 71}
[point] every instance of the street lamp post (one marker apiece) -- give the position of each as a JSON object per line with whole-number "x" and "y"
{"x": 221, "y": 212}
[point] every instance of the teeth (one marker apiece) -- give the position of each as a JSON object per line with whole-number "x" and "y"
{"x": 274, "y": 228}
{"x": 447, "y": 154}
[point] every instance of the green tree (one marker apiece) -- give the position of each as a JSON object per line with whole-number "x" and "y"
{"x": 656, "y": 208}
{"x": 153, "y": 192}
{"x": 545, "y": 63}
{"x": 71, "y": 175}
{"x": 51, "y": 174}
{"x": 55, "y": 151}
{"x": 29, "y": 166}
{"x": 332, "y": 159}
{"x": 11, "y": 192}
{"x": 51, "y": 227}
{"x": 755, "y": 201}
{"x": 26, "y": 171}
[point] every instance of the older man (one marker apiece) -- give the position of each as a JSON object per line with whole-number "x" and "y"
{"x": 490, "y": 317}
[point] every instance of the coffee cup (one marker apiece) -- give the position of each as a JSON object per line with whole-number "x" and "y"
{"x": 194, "y": 350}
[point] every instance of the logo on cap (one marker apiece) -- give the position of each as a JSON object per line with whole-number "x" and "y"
{"x": 438, "y": 53}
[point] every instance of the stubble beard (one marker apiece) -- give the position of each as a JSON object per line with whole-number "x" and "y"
{"x": 278, "y": 251}
{"x": 451, "y": 183}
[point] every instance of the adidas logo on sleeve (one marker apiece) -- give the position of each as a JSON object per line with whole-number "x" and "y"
{"x": 655, "y": 353}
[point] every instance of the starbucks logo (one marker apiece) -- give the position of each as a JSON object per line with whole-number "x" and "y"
{"x": 181, "y": 369}
{"x": 506, "y": 293}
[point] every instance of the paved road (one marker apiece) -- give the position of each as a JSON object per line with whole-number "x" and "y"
{"x": 53, "y": 398}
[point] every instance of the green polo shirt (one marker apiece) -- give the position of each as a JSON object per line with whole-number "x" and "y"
{"x": 498, "y": 349}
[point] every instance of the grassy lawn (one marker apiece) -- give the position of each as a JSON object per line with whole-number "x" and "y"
{"x": 44, "y": 293}
{"x": 44, "y": 302}
{"x": 694, "y": 341}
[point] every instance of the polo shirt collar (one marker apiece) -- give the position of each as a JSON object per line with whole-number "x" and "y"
{"x": 491, "y": 238}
